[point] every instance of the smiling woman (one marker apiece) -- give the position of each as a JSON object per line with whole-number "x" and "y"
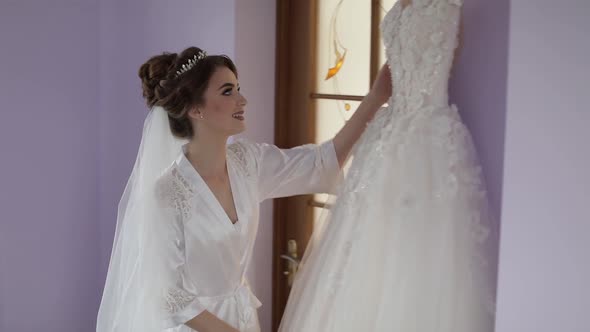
{"x": 189, "y": 215}
{"x": 179, "y": 84}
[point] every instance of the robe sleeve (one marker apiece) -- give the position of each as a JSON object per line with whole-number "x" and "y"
{"x": 305, "y": 169}
{"x": 179, "y": 299}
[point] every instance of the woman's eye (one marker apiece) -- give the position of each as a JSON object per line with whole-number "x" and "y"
{"x": 227, "y": 92}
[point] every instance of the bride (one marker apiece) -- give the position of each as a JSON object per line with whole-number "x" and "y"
{"x": 188, "y": 218}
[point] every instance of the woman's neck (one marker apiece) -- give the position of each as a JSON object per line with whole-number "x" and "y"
{"x": 207, "y": 154}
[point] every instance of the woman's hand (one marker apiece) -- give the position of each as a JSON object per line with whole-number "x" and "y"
{"x": 381, "y": 89}
{"x": 208, "y": 322}
{"x": 352, "y": 130}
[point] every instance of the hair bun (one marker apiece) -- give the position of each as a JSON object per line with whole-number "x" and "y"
{"x": 152, "y": 73}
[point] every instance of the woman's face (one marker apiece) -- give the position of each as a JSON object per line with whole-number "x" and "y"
{"x": 223, "y": 109}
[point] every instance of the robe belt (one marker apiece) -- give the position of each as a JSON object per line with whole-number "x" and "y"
{"x": 246, "y": 300}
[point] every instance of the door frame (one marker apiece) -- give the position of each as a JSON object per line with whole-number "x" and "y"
{"x": 294, "y": 125}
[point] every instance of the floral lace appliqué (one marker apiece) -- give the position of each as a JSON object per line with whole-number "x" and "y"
{"x": 177, "y": 299}
{"x": 239, "y": 152}
{"x": 176, "y": 192}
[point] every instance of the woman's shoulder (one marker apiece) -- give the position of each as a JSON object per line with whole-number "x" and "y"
{"x": 171, "y": 186}
{"x": 245, "y": 145}
{"x": 246, "y": 154}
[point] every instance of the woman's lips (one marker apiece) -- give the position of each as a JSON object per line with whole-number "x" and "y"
{"x": 238, "y": 115}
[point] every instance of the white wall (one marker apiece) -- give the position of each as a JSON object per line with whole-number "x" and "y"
{"x": 544, "y": 272}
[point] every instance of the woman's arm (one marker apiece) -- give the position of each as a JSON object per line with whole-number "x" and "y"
{"x": 208, "y": 322}
{"x": 352, "y": 130}
{"x": 313, "y": 168}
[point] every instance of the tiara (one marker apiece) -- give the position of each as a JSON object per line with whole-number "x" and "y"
{"x": 191, "y": 63}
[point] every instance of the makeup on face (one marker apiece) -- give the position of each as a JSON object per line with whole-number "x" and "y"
{"x": 227, "y": 88}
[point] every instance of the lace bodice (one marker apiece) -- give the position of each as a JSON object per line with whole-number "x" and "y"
{"x": 420, "y": 40}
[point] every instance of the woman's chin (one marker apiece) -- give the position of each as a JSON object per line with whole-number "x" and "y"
{"x": 238, "y": 130}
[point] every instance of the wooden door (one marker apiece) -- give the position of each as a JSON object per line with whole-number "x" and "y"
{"x": 312, "y": 37}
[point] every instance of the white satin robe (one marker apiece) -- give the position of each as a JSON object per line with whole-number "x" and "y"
{"x": 209, "y": 255}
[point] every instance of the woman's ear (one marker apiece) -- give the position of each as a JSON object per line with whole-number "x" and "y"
{"x": 195, "y": 113}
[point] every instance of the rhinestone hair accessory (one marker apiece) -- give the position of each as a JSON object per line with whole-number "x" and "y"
{"x": 191, "y": 63}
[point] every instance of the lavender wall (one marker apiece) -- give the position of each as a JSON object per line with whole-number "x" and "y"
{"x": 544, "y": 264}
{"x": 48, "y": 139}
{"x": 255, "y": 58}
{"x": 478, "y": 87}
{"x": 72, "y": 118}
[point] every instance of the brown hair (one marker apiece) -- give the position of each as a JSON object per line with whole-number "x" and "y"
{"x": 178, "y": 93}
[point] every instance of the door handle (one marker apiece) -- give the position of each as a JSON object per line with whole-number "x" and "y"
{"x": 292, "y": 261}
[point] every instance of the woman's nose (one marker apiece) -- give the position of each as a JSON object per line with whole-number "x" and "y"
{"x": 243, "y": 101}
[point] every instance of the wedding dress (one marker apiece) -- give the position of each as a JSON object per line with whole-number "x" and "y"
{"x": 404, "y": 246}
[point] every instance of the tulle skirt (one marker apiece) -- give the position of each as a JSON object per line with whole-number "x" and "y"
{"x": 404, "y": 246}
